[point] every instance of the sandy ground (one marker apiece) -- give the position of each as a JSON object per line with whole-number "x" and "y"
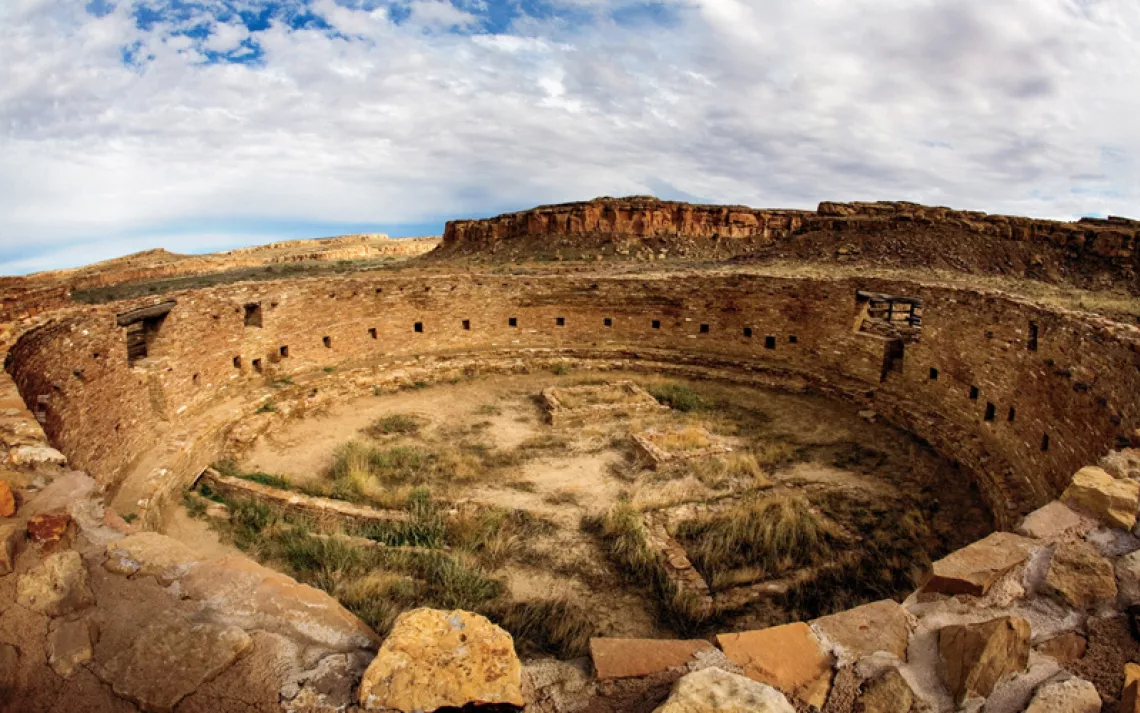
{"x": 587, "y": 477}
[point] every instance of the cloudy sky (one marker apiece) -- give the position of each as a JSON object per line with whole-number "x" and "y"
{"x": 199, "y": 125}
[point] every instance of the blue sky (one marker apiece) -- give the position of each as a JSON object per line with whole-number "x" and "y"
{"x": 199, "y": 125}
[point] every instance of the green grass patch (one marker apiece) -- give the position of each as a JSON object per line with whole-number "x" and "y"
{"x": 678, "y": 397}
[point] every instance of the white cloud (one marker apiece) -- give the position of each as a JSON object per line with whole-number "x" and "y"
{"x": 1020, "y": 106}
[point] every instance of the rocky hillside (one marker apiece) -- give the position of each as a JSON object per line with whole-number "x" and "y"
{"x": 1085, "y": 253}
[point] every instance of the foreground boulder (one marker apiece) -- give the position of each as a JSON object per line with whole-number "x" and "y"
{"x": 789, "y": 657}
{"x": 712, "y": 690}
{"x": 170, "y": 659}
{"x": 976, "y": 567}
{"x": 435, "y": 659}
{"x": 1097, "y": 493}
{"x": 1080, "y": 577}
{"x": 149, "y": 553}
{"x": 1072, "y": 696}
{"x": 57, "y": 587}
{"x": 10, "y": 537}
{"x": 975, "y": 657}
{"x": 7, "y": 500}
{"x": 1054, "y": 521}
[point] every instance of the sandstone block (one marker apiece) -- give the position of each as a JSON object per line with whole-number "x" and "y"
{"x": 977, "y": 566}
{"x": 636, "y": 658}
{"x": 170, "y": 659}
{"x": 712, "y": 690}
{"x": 1054, "y": 521}
{"x": 975, "y": 657}
{"x": 433, "y": 659}
{"x": 238, "y": 591}
{"x": 149, "y": 553}
{"x": 1128, "y": 577}
{"x": 1079, "y": 576}
{"x": 867, "y": 629}
{"x": 10, "y": 537}
{"x": 49, "y": 528}
{"x": 7, "y": 500}
{"x": 69, "y": 646}
{"x": 889, "y": 693}
{"x": 1130, "y": 693}
{"x": 1097, "y": 493}
{"x": 57, "y": 587}
{"x": 1066, "y": 648}
{"x": 789, "y": 657}
{"x": 1072, "y": 696}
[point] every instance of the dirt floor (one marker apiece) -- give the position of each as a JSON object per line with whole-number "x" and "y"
{"x": 800, "y": 443}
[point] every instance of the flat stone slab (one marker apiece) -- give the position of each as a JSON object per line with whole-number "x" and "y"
{"x": 1072, "y": 696}
{"x": 1055, "y": 520}
{"x": 1079, "y": 576}
{"x": 636, "y": 658}
{"x": 789, "y": 657}
{"x": 149, "y": 553}
{"x": 57, "y": 587}
{"x": 170, "y": 659}
{"x": 974, "y": 568}
{"x": 868, "y": 629}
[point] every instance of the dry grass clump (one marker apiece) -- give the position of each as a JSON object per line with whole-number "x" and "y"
{"x": 719, "y": 472}
{"x": 594, "y": 396}
{"x": 393, "y": 424}
{"x": 548, "y": 626}
{"x": 774, "y": 534}
{"x": 690, "y": 438}
{"x": 770, "y": 454}
{"x": 626, "y": 542}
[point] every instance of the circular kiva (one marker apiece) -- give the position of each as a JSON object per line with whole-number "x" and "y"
{"x": 727, "y": 430}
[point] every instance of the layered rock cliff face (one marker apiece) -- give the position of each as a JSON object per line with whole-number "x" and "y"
{"x": 900, "y": 234}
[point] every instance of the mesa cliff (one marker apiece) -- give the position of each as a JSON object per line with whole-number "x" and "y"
{"x": 894, "y": 233}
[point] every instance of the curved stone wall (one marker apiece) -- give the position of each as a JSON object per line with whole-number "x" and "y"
{"x": 1020, "y": 395}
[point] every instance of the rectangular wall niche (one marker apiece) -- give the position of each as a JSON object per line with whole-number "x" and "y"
{"x": 608, "y": 322}
{"x": 253, "y": 314}
{"x": 372, "y": 332}
{"x": 142, "y": 327}
{"x": 888, "y": 315}
{"x": 327, "y": 341}
{"x": 467, "y": 325}
{"x": 284, "y": 351}
{"x": 419, "y": 326}
{"x": 512, "y": 321}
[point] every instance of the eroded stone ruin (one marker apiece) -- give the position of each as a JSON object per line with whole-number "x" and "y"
{"x": 1001, "y": 351}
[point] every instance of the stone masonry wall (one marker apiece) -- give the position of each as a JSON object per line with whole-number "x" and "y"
{"x": 1079, "y": 387}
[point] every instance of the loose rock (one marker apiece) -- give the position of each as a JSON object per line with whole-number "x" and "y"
{"x": 49, "y": 529}
{"x": 1079, "y": 576}
{"x": 433, "y": 659}
{"x": 976, "y": 567}
{"x": 69, "y": 646}
{"x": 9, "y": 665}
{"x": 1072, "y": 696}
{"x": 889, "y": 693}
{"x": 10, "y": 537}
{"x": 1128, "y": 577}
{"x": 712, "y": 690}
{"x": 789, "y": 657}
{"x": 170, "y": 659}
{"x": 57, "y": 587}
{"x": 7, "y": 500}
{"x": 976, "y": 656}
{"x": 1054, "y": 521}
{"x": 867, "y": 629}
{"x": 1097, "y": 493}
{"x": 1066, "y": 648}
{"x": 1130, "y": 694}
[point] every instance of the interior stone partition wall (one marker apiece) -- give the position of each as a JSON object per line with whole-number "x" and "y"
{"x": 1018, "y": 394}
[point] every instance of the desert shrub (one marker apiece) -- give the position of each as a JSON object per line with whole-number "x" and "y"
{"x": 273, "y": 481}
{"x": 561, "y": 369}
{"x": 769, "y": 454}
{"x": 775, "y": 534}
{"x": 561, "y": 497}
{"x": 267, "y": 407}
{"x": 195, "y": 505}
{"x": 547, "y": 626}
{"x": 719, "y": 472}
{"x": 396, "y": 423}
{"x": 678, "y": 397}
{"x": 690, "y": 438}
